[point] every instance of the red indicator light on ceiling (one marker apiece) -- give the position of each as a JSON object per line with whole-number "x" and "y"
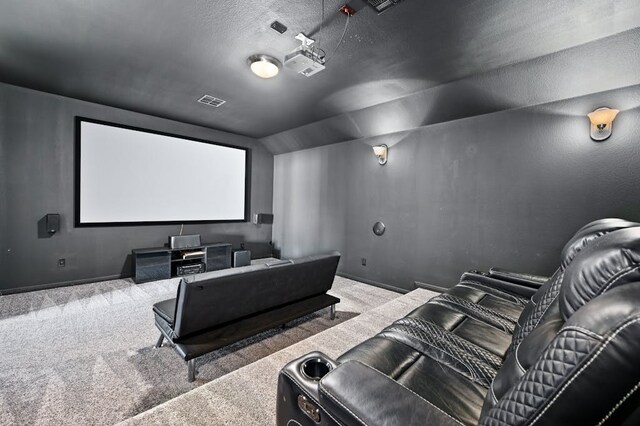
{"x": 347, "y": 10}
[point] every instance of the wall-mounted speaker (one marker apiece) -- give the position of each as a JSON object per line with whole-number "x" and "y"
{"x": 263, "y": 218}
{"x": 53, "y": 223}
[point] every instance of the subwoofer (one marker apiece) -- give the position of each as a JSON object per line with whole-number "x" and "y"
{"x": 241, "y": 258}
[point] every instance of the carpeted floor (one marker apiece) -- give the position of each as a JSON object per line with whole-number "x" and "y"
{"x": 247, "y": 396}
{"x": 84, "y": 354}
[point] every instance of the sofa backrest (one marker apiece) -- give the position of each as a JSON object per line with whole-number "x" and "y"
{"x": 579, "y": 355}
{"x": 542, "y": 302}
{"x": 588, "y": 374}
{"x": 228, "y": 295}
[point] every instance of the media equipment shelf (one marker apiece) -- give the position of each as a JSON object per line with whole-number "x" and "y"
{"x": 161, "y": 263}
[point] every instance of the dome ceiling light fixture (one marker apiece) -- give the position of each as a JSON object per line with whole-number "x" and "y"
{"x": 264, "y": 66}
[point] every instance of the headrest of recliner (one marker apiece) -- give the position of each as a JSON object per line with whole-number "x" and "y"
{"x": 590, "y": 232}
{"x": 610, "y": 261}
{"x": 600, "y": 222}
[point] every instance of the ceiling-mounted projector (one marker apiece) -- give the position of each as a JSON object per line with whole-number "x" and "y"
{"x": 304, "y": 60}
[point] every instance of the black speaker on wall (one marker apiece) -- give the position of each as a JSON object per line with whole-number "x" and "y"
{"x": 263, "y": 218}
{"x": 52, "y": 223}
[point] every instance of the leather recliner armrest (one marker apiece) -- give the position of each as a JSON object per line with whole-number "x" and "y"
{"x": 356, "y": 394}
{"x": 509, "y": 286}
{"x": 529, "y": 280}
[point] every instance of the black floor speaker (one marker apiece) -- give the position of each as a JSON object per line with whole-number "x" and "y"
{"x": 241, "y": 258}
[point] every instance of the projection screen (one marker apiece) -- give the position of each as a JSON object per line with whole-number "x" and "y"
{"x": 128, "y": 176}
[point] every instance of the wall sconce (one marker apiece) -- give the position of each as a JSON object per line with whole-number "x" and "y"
{"x": 601, "y": 122}
{"x": 381, "y": 151}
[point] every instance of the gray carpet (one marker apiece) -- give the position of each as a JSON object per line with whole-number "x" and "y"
{"x": 83, "y": 354}
{"x": 247, "y": 396}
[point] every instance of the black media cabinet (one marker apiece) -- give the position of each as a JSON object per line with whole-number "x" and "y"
{"x": 161, "y": 263}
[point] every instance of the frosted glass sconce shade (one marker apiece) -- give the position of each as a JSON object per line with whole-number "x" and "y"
{"x": 381, "y": 151}
{"x": 601, "y": 122}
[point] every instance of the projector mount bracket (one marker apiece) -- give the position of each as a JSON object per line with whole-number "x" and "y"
{"x": 306, "y": 41}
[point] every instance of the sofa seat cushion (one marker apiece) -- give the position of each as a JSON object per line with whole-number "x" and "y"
{"x": 342, "y": 392}
{"x": 433, "y": 379}
{"x": 385, "y": 355}
{"x": 494, "y": 337}
{"x": 166, "y": 310}
{"x": 226, "y": 334}
{"x": 446, "y": 389}
{"x": 502, "y": 319}
{"x": 477, "y": 291}
{"x": 478, "y": 303}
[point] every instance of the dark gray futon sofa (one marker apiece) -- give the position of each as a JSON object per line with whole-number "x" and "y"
{"x": 219, "y": 308}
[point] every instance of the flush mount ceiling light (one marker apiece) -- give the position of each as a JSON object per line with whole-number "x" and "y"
{"x": 601, "y": 122}
{"x": 264, "y": 66}
{"x": 381, "y": 151}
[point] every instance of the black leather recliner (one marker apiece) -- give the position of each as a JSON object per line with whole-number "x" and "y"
{"x": 467, "y": 357}
{"x": 479, "y": 300}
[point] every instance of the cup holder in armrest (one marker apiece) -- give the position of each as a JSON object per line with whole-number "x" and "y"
{"x": 315, "y": 368}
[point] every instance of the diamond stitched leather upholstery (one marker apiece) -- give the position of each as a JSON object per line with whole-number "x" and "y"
{"x": 548, "y": 293}
{"x": 561, "y": 358}
{"x": 533, "y": 316}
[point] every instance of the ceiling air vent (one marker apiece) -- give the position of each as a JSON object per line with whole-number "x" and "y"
{"x": 382, "y": 5}
{"x": 211, "y": 101}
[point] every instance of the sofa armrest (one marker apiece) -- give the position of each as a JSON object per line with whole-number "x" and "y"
{"x": 508, "y": 286}
{"x": 356, "y": 394}
{"x": 529, "y": 280}
{"x": 166, "y": 310}
{"x": 275, "y": 263}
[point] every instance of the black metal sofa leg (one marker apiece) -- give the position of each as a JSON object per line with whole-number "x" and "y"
{"x": 160, "y": 340}
{"x": 332, "y": 314}
{"x": 191, "y": 370}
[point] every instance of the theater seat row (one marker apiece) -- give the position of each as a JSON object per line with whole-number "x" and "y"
{"x": 496, "y": 349}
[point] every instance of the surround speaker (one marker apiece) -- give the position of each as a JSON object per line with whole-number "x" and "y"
{"x": 263, "y": 218}
{"x": 53, "y": 223}
{"x": 241, "y": 258}
{"x": 184, "y": 241}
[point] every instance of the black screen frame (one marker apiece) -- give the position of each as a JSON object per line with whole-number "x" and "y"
{"x": 78, "y": 143}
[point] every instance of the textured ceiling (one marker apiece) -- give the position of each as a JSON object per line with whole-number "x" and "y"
{"x": 594, "y": 68}
{"x": 159, "y": 56}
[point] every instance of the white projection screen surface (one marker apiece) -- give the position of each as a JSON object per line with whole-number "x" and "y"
{"x": 131, "y": 176}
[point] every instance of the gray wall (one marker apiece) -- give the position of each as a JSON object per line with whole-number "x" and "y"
{"x": 504, "y": 189}
{"x": 37, "y": 177}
